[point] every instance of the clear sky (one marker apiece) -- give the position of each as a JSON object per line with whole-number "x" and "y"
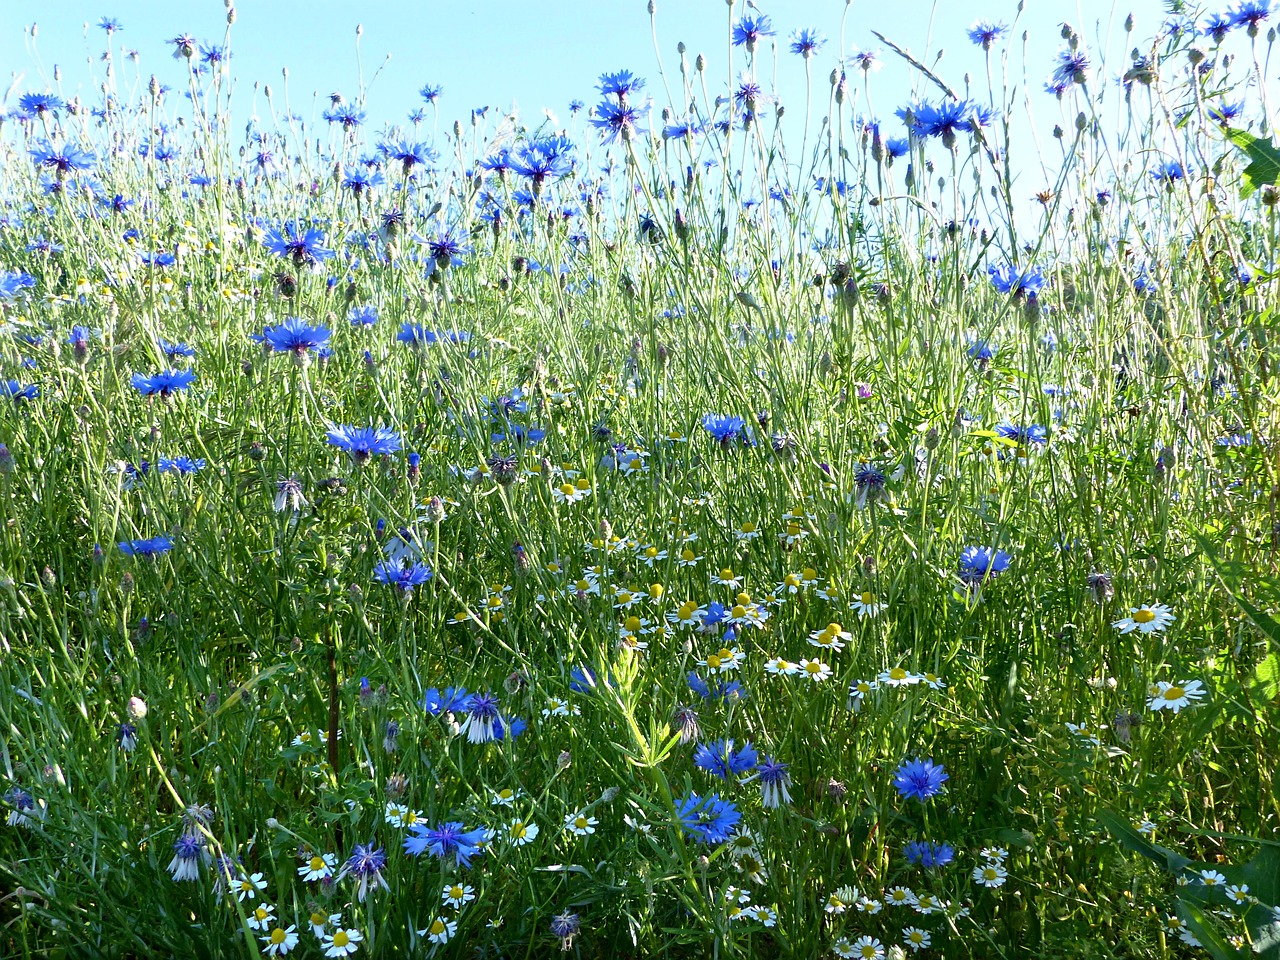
{"x": 501, "y": 53}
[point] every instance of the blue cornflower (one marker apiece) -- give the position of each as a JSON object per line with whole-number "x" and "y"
{"x": 774, "y": 780}
{"x": 1249, "y": 14}
{"x": 582, "y": 680}
{"x": 919, "y": 779}
{"x": 547, "y": 158}
{"x": 348, "y": 116}
{"x": 364, "y": 442}
{"x": 161, "y": 259}
{"x": 180, "y": 465}
{"x": 452, "y": 699}
{"x": 416, "y": 335}
{"x": 714, "y": 614}
{"x": 944, "y": 120}
{"x": 806, "y": 42}
{"x": 482, "y": 718}
{"x": 127, "y": 736}
{"x": 184, "y": 46}
{"x": 979, "y": 563}
{"x": 211, "y": 54}
{"x": 1032, "y": 433}
{"x": 174, "y": 350}
{"x": 616, "y": 120}
{"x": 65, "y": 159}
{"x": 750, "y": 30}
{"x": 725, "y": 429}
{"x": 1168, "y": 172}
{"x": 621, "y": 84}
{"x": 446, "y": 249}
{"x": 985, "y": 33}
{"x": 296, "y": 336}
{"x": 148, "y": 547}
{"x": 707, "y": 819}
{"x": 509, "y": 727}
{"x": 11, "y": 284}
{"x": 365, "y": 864}
{"x": 304, "y": 246}
{"x": 109, "y": 24}
{"x": 430, "y": 92}
{"x": 14, "y": 390}
{"x": 165, "y": 383}
{"x": 897, "y": 147}
{"x": 511, "y": 402}
{"x": 1226, "y": 112}
{"x": 406, "y": 576}
{"x": 361, "y": 182}
{"x": 982, "y": 351}
{"x": 363, "y": 316}
{"x": 927, "y": 854}
{"x": 719, "y": 758}
{"x": 1217, "y": 25}
{"x": 446, "y": 839}
{"x": 1073, "y": 67}
{"x": 410, "y": 154}
{"x": 188, "y": 852}
{"x": 1006, "y": 279}
{"x": 41, "y": 103}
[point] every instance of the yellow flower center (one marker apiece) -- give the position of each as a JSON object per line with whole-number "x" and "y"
{"x": 260, "y": 914}
{"x": 713, "y": 662}
{"x": 437, "y": 927}
{"x": 455, "y": 892}
{"x": 898, "y": 673}
{"x": 632, "y": 624}
{"x": 583, "y": 585}
{"x": 686, "y": 609}
{"x": 656, "y": 590}
{"x": 410, "y": 818}
{"x": 792, "y": 580}
{"x": 583, "y": 484}
{"x": 868, "y": 599}
{"x": 687, "y": 555}
{"x": 834, "y": 629}
{"x": 813, "y": 666}
{"x": 340, "y": 938}
{"x": 726, "y": 653}
{"x": 1144, "y": 616}
{"x": 1174, "y": 693}
{"x": 748, "y": 528}
{"x": 810, "y": 573}
{"x": 651, "y": 552}
{"x": 580, "y": 822}
{"x": 278, "y": 936}
{"x": 624, "y": 597}
{"x": 567, "y": 489}
{"x": 739, "y": 611}
{"x": 317, "y": 919}
{"x": 518, "y": 830}
{"x": 989, "y": 873}
{"x": 726, "y": 574}
{"x": 506, "y": 794}
{"x": 317, "y": 863}
{"x": 793, "y": 529}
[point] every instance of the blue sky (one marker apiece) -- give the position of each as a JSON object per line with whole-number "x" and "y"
{"x": 501, "y": 53}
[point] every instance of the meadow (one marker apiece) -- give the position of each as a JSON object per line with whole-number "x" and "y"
{"x": 648, "y": 535}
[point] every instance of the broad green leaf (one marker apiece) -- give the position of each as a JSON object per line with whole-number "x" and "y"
{"x": 1264, "y": 160}
{"x": 1208, "y": 936}
{"x": 1132, "y": 840}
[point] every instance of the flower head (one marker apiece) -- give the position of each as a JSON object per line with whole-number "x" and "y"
{"x": 364, "y": 442}
{"x": 707, "y": 819}
{"x": 304, "y": 246}
{"x": 445, "y": 840}
{"x": 365, "y": 864}
{"x": 919, "y": 779}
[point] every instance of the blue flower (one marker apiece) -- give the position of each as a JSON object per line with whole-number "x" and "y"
{"x": 430, "y": 93}
{"x": 509, "y": 727}
{"x": 805, "y": 43}
{"x": 109, "y": 24}
{"x": 295, "y": 336}
{"x": 927, "y": 854}
{"x": 985, "y": 33}
{"x": 1007, "y": 279}
{"x": 11, "y": 284}
{"x": 180, "y": 465}
{"x": 165, "y": 383}
{"x": 919, "y": 779}
{"x": 621, "y": 84}
{"x": 451, "y": 700}
{"x": 483, "y": 718}
{"x": 410, "y": 154}
{"x": 447, "y": 249}
{"x": 946, "y": 119}
{"x": 616, "y": 120}
{"x": 304, "y": 247}
{"x": 724, "y": 429}
{"x": 750, "y": 30}
{"x": 1073, "y": 67}
{"x": 364, "y": 442}
{"x": 360, "y": 182}
{"x": 65, "y": 159}
{"x": 1034, "y": 433}
{"x": 1168, "y": 172}
{"x": 445, "y": 840}
{"x": 1226, "y": 112}
{"x": 547, "y": 158}
{"x": 1217, "y": 25}
{"x": 402, "y": 575}
{"x": 774, "y": 779}
{"x": 897, "y": 147}
{"x": 979, "y": 563}
{"x": 981, "y": 350}
{"x": 720, "y": 759}
{"x": 16, "y": 391}
{"x": 1250, "y": 13}
{"x": 40, "y": 103}
{"x": 365, "y": 864}
{"x": 348, "y": 116}
{"x": 363, "y": 316}
{"x": 707, "y": 819}
{"x": 174, "y": 350}
{"x": 148, "y": 547}
{"x": 582, "y": 680}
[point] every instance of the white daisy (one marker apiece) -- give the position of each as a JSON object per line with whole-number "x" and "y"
{"x": 815, "y": 670}
{"x": 457, "y": 895}
{"x": 280, "y": 941}
{"x": 1175, "y": 696}
{"x": 866, "y": 604}
{"x": 521, "y": 832}
{"x": 319, "y": 867}
{"x": 1148, "y": 618}
{"x": 440, "y": 930}
{"x": 579, "y": 824}
{"x": 342, "y": 943}
{"x": 991, "y": 874}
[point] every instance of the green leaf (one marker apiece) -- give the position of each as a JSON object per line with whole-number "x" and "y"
{"x": 1264, "y": 160}
{"x": 1266, "y": 681}
{"x": 1133, "y": 841}
{"x": 1261, "y": 620}
{"x": 1206, "y": 934}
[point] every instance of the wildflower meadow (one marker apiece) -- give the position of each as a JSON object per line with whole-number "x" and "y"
{"x": 686, "y": 524}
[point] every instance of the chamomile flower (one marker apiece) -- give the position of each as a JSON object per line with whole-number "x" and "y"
{"x": 780, "y": 667}
{"x": 570, "y": 493}
{"x": 869, "y": 905}
{"x": 320, "y": 866}
{"x": 1239, "y": 893}
{"x": 991, "y": 874}
{"x": 440, "y": 930}
{"x": 505, "y": 797}
{"x": 342, "y": 943}
{"x": 831, "y": 637}
{"x": 261, "y": 917}
{"x": 521, "y": 832}
{"x": 579, "y": 824}
{"x": 727, "y": 578}
{"x": 915, "y": 938}
{"x": 556, "y": 707}
{"x": 900, "y": 897}
{"x": 1148, "y": 618}
{"x": 899, "y": 677}
{"x": 1211, "y": 878}
{"x": 400, "y": 816}
{"x": 746, "y": 532}
{"x": 457, "y": 895}
{"x": 688, "y": 558}
{"x": 280, "y": 941}
{"x": 815, "y": 670}
{"x": 840, "y": 900}
{"x": 724, "y": 660}
{"x": 866, "y": 605}
{"x": 1175, "y": 696}
{"x": 994, "y": 854}
{"x": 651, "y": 555}
{"x": 927, "y": 904}
{"x": 859, "y": 690}
{"x": 319, "y": 922}
{"x": 868, "y": 948}
{"x": 767, "y": 916}
{"x": 248, "y": 887}
{"x": 933, "y": 681}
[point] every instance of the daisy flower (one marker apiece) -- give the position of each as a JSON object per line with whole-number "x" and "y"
{"x": 318, "y": 921}
{"x": 570, "y": 493}
{"x": 688, "y": 558}
{"x": 858, "y": 691}
{"x": 319, "y": 867}
{"x": 809, "y": 577}
{"x": 899, "y": 677}
{"x": 1148, "y": 618}
{"x": 868, "y": 948}
{"x": 521, "y": 832}
{"x": 579, "y": 824}
{"x": 727, "y": 578}
{"x": 688, "y": 614}
{"x": 440, "y": 931}
{"x": 400, "y": 816}
{"x": 457, "y": 895}
{"x": 504, "y": 797}
{"x": 990, "y": 874}
{"x": 280, "y": 941}
{"x": 866, "y": 605}
{"x": 1239, "y": 893}
{"x": 831, "y": 637}
{"x": 725, "y": 660}
{"x": 915, "y": 938}
{"x": 747, "y": 531}
{"x": 780, "y": 667}
{"x": 900, "y": 897}
{"x": 262, "y": 917}
{"x": 815, "y": 670}
{"x": 342, "y": 943}
{"x": 1175, "y": 696}
{"x": 248, "y": 887}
